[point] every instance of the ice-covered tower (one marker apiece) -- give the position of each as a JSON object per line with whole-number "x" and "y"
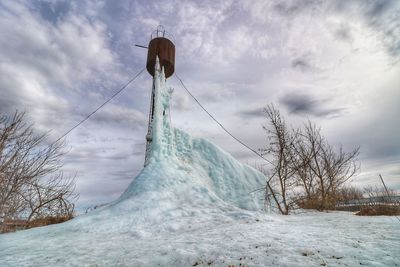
{"x": 161, "y": 65}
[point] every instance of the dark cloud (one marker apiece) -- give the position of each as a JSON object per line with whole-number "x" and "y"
{"x": 296, "y": 103}
{"x": 301, "y": 64}
{"x": 52, "y": 11}
{"x": 379, "y": 8}
{"x": 303, "y": 104}
{"x": 251, "y": 113}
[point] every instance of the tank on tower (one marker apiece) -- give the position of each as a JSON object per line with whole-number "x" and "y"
{"x": 163, "y": 48}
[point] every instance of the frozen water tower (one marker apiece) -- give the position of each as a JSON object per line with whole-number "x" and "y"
{"x": 163, "y": 48}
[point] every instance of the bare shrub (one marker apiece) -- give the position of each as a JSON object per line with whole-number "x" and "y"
{"x": 378, "y": 195}
{"x": 349, "y": 193}
{"x": 379, "y": 201}
{"x": 343, "y": 196}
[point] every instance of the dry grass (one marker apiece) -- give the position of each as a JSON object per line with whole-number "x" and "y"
{"x": 379, "y": 210}
{"x": 15, "y": 225}
{"x": 316, "y": 203}
{"x": 48, "y": 220}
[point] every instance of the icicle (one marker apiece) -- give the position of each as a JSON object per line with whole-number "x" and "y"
{"x": 161, "y": 146}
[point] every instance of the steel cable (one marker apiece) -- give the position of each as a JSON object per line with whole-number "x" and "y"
{"x": 99, "y": 107}
{"x": 223, "y": 127}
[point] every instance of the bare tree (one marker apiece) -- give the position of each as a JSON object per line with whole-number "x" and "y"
{"x": 31, "y": 183}
{"x": 303, "y": 159}
{"x": 328, "y": 168}
{"x": 281, "y": 183}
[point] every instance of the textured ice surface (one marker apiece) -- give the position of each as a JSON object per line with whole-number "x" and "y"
{"x": 192, "y": 206}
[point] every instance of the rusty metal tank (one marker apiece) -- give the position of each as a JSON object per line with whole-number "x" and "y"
{"x": 165, "y": 50}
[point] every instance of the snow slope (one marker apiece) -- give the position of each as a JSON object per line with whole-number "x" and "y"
{"x": 191, "y": 206}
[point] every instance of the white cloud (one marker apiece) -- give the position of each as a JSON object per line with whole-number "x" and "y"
{"x": 113, "y": 113}
{"x": 42, "y": 61}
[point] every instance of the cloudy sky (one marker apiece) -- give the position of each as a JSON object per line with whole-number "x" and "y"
{"x": 334, "y": 62}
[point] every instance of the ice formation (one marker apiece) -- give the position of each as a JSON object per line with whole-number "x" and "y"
{"x": 184, "y": 166}
{"x": 185, "y": 176}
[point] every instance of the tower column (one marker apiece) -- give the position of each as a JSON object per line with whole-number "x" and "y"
{"x": 161, "y": 65}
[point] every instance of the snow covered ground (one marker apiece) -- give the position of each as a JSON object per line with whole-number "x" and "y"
{"x": 192, "y": 206}
{"x": 236, "y": 239}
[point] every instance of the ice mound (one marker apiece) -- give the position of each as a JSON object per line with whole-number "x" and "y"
{"x": 183, "y": 176}
{"x": 205, "y": 179}
{"x": 188, "y": 172}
